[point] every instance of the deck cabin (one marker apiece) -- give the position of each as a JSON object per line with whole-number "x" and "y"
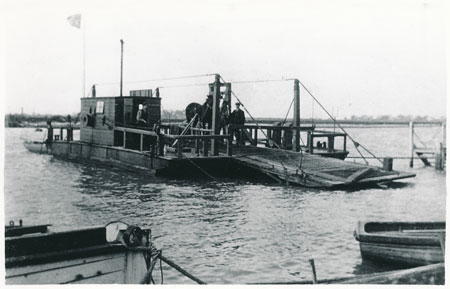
{"x": 112, "y": 121}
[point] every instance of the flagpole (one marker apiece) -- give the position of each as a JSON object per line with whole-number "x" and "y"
{"x": 84, "y": 57}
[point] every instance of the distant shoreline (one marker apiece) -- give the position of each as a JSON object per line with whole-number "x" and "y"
{"x": 317, "y": 122}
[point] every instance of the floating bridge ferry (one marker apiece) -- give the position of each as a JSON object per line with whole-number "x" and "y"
{"x": 109, "y": 134}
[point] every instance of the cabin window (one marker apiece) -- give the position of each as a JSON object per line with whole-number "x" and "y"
{"x": 100, "y": 107}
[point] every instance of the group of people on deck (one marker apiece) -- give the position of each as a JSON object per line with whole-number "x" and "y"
{"x": 237, "y": 117}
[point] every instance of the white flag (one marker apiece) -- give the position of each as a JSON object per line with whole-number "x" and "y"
{"x": 75, "y": 20}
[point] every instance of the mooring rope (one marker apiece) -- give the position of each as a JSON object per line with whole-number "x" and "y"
{"x": 355, "y": 143}
{"x": 181, "y": 270}
{"x": 205, "y": 172}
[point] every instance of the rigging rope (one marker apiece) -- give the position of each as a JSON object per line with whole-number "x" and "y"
{"x": 285, "y": 118}
{"x": 257, "y": 81}
{"x": 166, "y": 113}
{"x": 159, "y": 79}
{"x": 334, "y": 120}
{"x": 183, "y": 85}
{"x": 417, "y": 136}
{"x": 277, "y": 145}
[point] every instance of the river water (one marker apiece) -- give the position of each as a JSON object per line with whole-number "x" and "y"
{"x": 231, "y": 231}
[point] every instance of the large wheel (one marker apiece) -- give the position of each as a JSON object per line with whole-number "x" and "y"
{"x": 192, "y": 109}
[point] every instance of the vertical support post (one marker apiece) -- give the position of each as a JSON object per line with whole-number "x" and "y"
{"x": 160, "y": 145}
{"x": 121, "y": 67}
{"x": 345, "y": 142}
{"x": 142, "y": 142}
{"x": 197, "y": 146}
{"x": 310, "y": 142}
{"x": 256, "y": 137}
{"x": 229, "y": 146}
{"x": 216, "y": 115}
{"x": 61, "y": 134}
{"x": 411, "y": 144}
{"x": 124, "y": 139}
{"x": 330, "y": 143}
{"x": 296, "y": 145}
{"x": 444, "y": 134}
{"x": 205, "y": 147}
{"x": 228, "y": 96}
{"x": 180, "y": 148}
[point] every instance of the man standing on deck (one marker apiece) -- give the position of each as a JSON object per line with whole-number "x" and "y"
{"x": 49, "y": 139}
{"x": 237, "y": 117}
{"x": 141, "y": 116}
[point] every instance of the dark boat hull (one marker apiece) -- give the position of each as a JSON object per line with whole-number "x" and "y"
{"x": 407, "y": 243}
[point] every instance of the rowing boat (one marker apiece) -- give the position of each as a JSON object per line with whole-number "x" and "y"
{"x": 407, "y": 243}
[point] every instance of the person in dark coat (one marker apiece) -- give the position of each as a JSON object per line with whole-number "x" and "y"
{"x": 141, "y": 116}
{"x": 49, "y": 139}
{"x": 237, "y": 117}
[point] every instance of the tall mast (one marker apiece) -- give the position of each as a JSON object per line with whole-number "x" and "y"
{"x": 121, "y": 66}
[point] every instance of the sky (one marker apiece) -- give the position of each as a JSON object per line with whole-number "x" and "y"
{"x": 356, "y": 57}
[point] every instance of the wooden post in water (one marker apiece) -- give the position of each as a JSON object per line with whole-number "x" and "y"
{"x": 411, "y": 144}
{"x": 216, "y": 115}
{"x": 313, "y": 268}
{"x": 296, "y": 145}
{"x": 440, "y": 153}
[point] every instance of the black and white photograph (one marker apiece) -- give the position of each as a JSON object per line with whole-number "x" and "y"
{"x": 271, "y": 143}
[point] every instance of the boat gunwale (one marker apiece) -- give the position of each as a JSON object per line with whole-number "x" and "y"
{"x": 403, "y": 238}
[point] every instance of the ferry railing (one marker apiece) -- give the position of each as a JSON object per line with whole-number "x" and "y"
{"x": 281, "y": 135}
{"x": 331, "y": 136}
{"x": 199, "y": 142}
{"x": 69, "y": 132}
{"x": 140, "y": 132}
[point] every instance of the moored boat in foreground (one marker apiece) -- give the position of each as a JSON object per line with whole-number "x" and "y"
{"x": 407, "y": 243}
{"x": 115, "y": 253}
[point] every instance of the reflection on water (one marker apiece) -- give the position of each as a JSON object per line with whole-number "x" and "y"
{"x": 223, "y": 232}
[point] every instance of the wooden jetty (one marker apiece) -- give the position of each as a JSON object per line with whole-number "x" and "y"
{"x": 429, "y": 155}
{"x": 109, "y": 134}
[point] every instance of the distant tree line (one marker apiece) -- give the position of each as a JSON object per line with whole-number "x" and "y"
{"x": 27, "y": 120}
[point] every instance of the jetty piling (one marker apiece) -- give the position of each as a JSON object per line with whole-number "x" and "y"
{"x": 297, "y": 115}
